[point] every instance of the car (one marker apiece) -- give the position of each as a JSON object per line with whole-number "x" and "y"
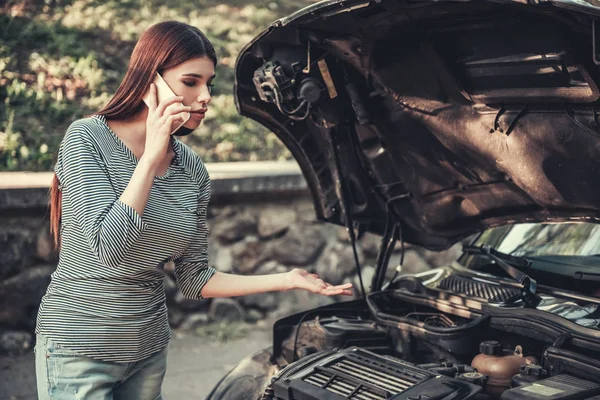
{"x": 433, "y": 123}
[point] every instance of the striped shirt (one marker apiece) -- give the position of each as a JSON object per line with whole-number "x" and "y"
{"x": 106, "y": 299}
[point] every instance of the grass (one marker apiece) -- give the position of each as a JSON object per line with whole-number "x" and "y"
{"x": 63, "y": 59}
{"x": 223, "y": 331}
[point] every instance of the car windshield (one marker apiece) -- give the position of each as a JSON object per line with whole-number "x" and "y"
{"x": 562, "y": 255}
{"x": 539, "y": 240}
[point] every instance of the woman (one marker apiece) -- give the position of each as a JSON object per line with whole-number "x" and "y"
{"x": 129, "y": 198}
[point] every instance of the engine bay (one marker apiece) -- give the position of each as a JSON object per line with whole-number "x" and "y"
{"x": 412, "y": 342}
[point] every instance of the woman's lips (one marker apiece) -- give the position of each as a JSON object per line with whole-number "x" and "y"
{"x": 198, "y": 114}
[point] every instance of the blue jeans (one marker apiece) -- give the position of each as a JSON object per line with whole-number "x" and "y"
{"x": 64, "y": 375}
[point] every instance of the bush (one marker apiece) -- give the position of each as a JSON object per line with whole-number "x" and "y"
{"x": 62, "y": 59}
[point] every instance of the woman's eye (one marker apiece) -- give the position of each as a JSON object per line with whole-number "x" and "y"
{"x": 189, "y": 84}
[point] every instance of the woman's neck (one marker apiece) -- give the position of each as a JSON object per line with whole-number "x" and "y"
{"x": 132, "y": 131}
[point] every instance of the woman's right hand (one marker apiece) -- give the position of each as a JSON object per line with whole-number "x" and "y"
{"x": 161, "y": 117}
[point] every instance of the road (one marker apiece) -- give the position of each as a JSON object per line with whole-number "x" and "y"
{"x": 194, "y": 366}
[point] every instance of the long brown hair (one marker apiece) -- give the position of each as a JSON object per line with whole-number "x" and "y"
{"x": 163, "y": 46}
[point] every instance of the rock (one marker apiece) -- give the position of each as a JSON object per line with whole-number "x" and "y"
{"x": 247, "y": 255}
{"x": 275, "y": 220}
{"x": 413, "y": 263}
{"x": 338, "y": 263}
{"x": 176, "y": 317}
{"x": 295, "y": 301}
{"x": 44, "y": 246}
{"x": 170, "y": 287}
{"x": 301, "y": 245}
{"x": 327, "y": 269}
{"x": 213, "y": 249}
{"x": 407, "y": 246}
{"x": 194, "y": 320}
{"x": 222, "y": 212}
{"x": 305, "y": 211}
{"x": 17, "y": 251}
{"x": 368, "y": 272}
{"x": 270, "y": 267}
{"x": 21, "y": 296}
{"x": 263, "y": 301}
{"x": 442, "y": 258}
{"x": 223, "y": 260}
{"x": 342, "y": 235}
{"x": 233, "y": 229}
{"x": 15, "y": 343}
{"x": 190, "y": 304}
{"x": 367, "y": 275}
{"x": 370, "y": 244}
{"x": 253, "y": 315}
{"x": 226, "y": 309}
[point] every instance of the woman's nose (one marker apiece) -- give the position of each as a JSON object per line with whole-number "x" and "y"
{"x": 204, "y": 96}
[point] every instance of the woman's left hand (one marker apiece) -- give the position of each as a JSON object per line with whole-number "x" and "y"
{"x": 301, "y": 279}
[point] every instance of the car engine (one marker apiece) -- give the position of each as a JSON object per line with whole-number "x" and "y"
{"x": 398, "y": 349}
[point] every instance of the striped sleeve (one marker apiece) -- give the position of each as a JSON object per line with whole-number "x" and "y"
{"x": 110, "y": 227}
{"x": 191, "y": 269}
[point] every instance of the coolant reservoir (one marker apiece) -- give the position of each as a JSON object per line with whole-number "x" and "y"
{"x": 499, "y": 365}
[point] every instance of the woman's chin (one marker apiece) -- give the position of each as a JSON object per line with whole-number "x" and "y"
{"x": 192, "y": 123}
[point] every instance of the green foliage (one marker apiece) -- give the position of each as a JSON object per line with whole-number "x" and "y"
{"x": 223, "y": 331}
{"x": 62, "y": 59}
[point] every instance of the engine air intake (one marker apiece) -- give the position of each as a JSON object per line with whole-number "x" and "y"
{"x": 358, "y": 374}
{"x": 482, "y": 290}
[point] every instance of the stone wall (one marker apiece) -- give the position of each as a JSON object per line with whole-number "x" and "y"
{"x": 251, "y": 233}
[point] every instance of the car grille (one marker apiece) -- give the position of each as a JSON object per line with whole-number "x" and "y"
{"x": 482, "y": 290}
{"x": 358, "y": 377}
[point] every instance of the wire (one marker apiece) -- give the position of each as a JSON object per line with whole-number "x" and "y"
{"x": 302, "y": 118}
{"x": 281, "y": 107}
{"x": 287, "y": 113}
{"x": 401, "y": 255}
{"x": 279, "y": 102}
{"x": 294, "y": 358}
{"x": 393, "y": 279}
{"x": 302, "y": 104}
{"x": 399, "y": 232}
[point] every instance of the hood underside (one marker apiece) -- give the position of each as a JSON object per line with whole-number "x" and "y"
{"x": 448, "y": 116}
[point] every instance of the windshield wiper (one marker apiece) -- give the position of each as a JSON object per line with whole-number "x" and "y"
{"x": 509, "y": 263}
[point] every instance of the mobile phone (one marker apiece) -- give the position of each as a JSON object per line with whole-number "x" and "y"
{"x": 164, "y": 91}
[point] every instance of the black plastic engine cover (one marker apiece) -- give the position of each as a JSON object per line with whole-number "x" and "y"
{"x": 336, "y": 333}
{"x": 559, "y": 387}
{"x": 355, "y": 373}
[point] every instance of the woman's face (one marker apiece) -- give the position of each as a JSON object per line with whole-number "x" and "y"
{"x": 192, "y": 80}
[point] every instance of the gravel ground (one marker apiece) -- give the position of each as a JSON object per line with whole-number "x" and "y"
{"x": 194, "y": 365}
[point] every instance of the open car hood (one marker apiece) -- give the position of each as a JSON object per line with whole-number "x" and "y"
{"x": 447, "y": 116}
